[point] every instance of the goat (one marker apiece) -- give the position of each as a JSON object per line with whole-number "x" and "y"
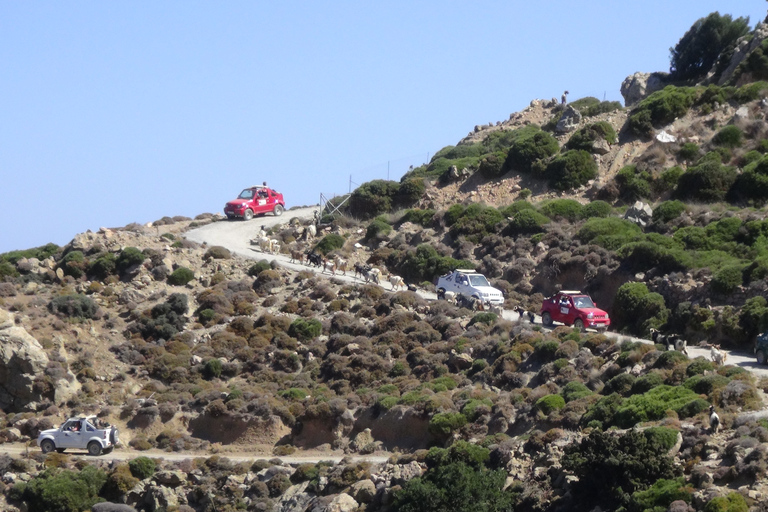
{"x": 310, "y": 232}
{"x": 341, "y": 264}
{"x": 520, "y": 310}
{"x": 718, "y": 356}
{"x": 360, "y": 269}
{"x": 714, "y": 420}
{"x": 296, "y": 255}
{"x": 329, "y": 265}
{"x": 466, "y": 302}
{"x": 372, "y": 275}
{"x": 314, "y": 259}
{"x": 493, "y": 308}
{"x": 450, "y": 297}
{"x": 396, "y": 282}
{"x": 672, "y": 341}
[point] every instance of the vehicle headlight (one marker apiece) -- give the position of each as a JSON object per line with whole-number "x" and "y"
{"x": 590, "y": 315}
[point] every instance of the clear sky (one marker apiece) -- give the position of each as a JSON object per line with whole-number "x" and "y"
{"x": 120, "y": 112}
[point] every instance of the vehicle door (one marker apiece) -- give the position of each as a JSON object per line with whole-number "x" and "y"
{"x": 261, "y": 201}
{"x": 565, "y": 310}
{"x": 70, "y": 435}
{"x": 462, "y": 285}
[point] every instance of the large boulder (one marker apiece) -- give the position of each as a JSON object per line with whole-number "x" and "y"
{"x": 569, "y": 121}
{"x": 640, "y": 213}
{"x": 636, "y": 87}
{"x": 22, "y": 358}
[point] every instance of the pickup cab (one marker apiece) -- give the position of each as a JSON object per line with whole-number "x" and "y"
{"x": 576, "y": 309}
{"x": 83, "y": 433}
{"x": 255, "y": 201}
{"x": 469, "y": 284}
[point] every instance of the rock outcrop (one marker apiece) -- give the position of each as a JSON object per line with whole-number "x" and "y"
{"x": 744, "y": 47}
{"x": 22, "y": 358}
{"x": 639, "y": 85}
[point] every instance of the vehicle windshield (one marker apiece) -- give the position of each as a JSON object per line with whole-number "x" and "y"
{"x": 583, "y": 302}
{"x": 478, "y": 280}
{"x": 246, "y": 194}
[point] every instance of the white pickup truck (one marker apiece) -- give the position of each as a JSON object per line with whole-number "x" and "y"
{"x": 469, "y": 284}
{"x": 84, "y": 433}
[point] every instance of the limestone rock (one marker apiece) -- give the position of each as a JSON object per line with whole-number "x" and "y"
{"x": 362, "y": 440}
{"x": 569, "y": 121}
{"x": 170, "y": 478}
{"x": 112, "y": 507}
{"x": 640, "y": 213}
{"x": 744, "y": 47}
{"x": 22, "y": 358}
{"x": 363, "y": 491}
{"x": 295, "y": 499}
{"x": 601, "y": 147}
{"x": 639, "y": 85}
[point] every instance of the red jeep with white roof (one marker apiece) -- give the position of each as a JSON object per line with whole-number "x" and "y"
{"x": 574, "y": 308}
{"x": 255, "y": 201}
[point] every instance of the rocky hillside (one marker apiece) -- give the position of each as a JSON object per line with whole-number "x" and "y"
{"x": 236, "y": 382}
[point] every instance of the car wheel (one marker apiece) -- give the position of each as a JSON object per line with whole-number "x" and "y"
{"x": 248, "y": 214}
{"x": 579, "y": 324}
{"x": 760, "y": 357}
{"x": 60, "y": 450}
{"x": 546, "y": 319}
{"x": 113, "y": 437}
{"x": 94, "y": 448}
{"x": 47, "y": 446}
{"x": 278, "y": 211}
{"x": 441, "y": 294}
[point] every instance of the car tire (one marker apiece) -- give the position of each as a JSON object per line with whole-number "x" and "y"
{"x": 579, "y": 324}
{"x": 114, "y": 437}
{"x": 761, "y": 357}
{"x": 546, "y": 319}
{"x": 47, "y": 446}
{"x": 248, "y": 214}
{"x": 60, "y": 450}
{"x": 94, "y": 448}
{"x": 441, "y": 294}
{"x": 278, "y": 211}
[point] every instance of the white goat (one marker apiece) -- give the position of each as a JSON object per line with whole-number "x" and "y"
{"x": 450, "y": 297}
{"x": 340, "y": 264}
{"x": 372, "y": 275}
{"x": 714, "y": 420}
{"x": 396, "y": 282}
{"x": 718, "y": 356}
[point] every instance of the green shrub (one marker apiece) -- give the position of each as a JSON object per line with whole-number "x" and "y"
{"x": 646, "y": 383}
{"x": 621, "y": 384}
{"x": 571, "y": 170}
{"x": 706, "y": 384}
{"x": 529, "y": 145}
{"x": 699, "y": 366}
{"x": 142, "y": 467}
{"x": 734, "y": 502}
{"x": 258, "y": 267}
{"x": 74, "y": 306}
{"x": 752, "y": 183}
{"x": 590, "y": 106}
{"x": 668, "y": 210}
{"x": 727, "y": 279}
{"x": 585, "y": 138}
{"x": 663, "y": 436}
{"x": 527, "y": 222}
{"x": 103, "y": 266}
{"x": 41, "y": 253}
{"x": 181, "y": 276}
{"x": 643, "y": 256}
{"x": 474, "y": 221}
{"x": 701, "y": 46}
{"x": 212, "y": 369}
{"x": 750, "y": 92}
{"x": 729, "y": 136}
{"x": 596, "y": 209}
{"x": 442, "y": 424}
{"x": 652, "y": 406}
{"x": 609, "y": 468}
{"x": 409, "y": 192}
{"x": 373, "y": 198}
{"x": 305, "y": 330}
{"x": 610, "y": 233}
{"x": 549, "y": 403}
{"x": 492, "y": 166}
{"x": 63, "y": 490}
{"x": 425, "y": 264}
{"x": 574, "y": 390}
{"x": 689, "y": 151}
{"x": 709, "y": 180}
{"x": 330, "y": 242}
{"x": 73, "y": 264}
{"x": 217, "y": 252}
{"x": 165, "y": 319}
{"x": 473, "y": 409}
{"x": 668, "y": 179}
{"x": 129, "y": 257}
{"x": 660, "y": 495}
{"x": 483, "y": 318}
{"x": 421, "y": 217}
{"x": 633, "y": 184}
{"x": 377, "y": 227}
{"x": 569, "y": 209}
{"x": 661, "y": 108}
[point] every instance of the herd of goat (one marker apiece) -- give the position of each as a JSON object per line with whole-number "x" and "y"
{"x": 373, "y": 275}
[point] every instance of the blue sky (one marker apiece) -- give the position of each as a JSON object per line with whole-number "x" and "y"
{"x": 112, "y": 113}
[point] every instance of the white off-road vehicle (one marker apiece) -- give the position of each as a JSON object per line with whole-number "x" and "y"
{"x": 83, "y": 433}
{"x": 469, "y": 284}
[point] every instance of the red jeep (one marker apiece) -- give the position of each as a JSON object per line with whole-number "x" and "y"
{"x": 255, "y": 201}
{"x": 576, "y": 309}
